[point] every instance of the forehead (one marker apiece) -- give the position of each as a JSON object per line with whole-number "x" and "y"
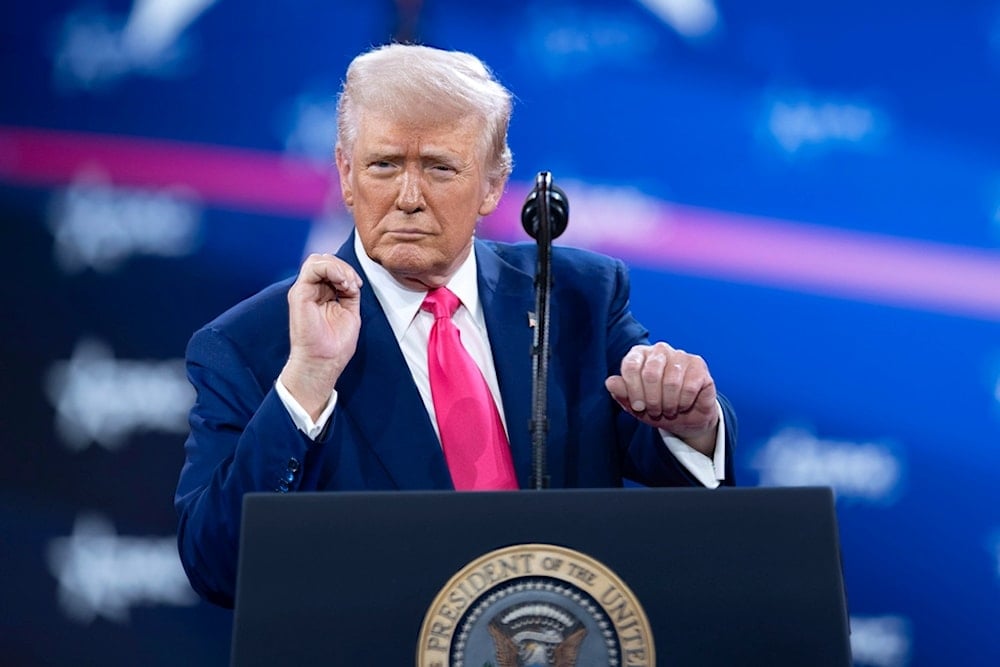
{"x": 422, "y": 132}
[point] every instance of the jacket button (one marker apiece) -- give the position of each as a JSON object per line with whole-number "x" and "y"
{"x": 293, "y": 465}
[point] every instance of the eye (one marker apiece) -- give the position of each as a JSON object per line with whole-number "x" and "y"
{"x": 379, "y": 168}
{"x": 443, "y": 170}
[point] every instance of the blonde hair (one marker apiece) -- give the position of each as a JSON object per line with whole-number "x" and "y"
{"x": 408, "y": 81}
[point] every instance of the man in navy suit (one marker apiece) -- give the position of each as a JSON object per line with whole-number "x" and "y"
{"x": 321, "y": 382}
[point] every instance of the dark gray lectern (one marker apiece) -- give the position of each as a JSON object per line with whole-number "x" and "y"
{"x": 726, "y": 577}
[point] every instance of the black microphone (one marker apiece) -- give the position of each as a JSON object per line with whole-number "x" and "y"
{"x": 544, "y": 217}
{"x": 558, "y": 207}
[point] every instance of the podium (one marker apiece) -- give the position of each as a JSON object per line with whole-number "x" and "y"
{"x": 680, "y": 576}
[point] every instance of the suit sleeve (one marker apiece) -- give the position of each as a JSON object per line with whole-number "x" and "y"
{"x": 242, "y": 440}
{"x": 645, "y": 458}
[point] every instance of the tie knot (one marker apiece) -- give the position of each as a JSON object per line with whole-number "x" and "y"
{"x": 441, "y": 302}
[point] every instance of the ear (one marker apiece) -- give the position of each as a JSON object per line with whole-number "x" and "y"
{"x": 344, "y": 170}
{"x": 492, "y": 198}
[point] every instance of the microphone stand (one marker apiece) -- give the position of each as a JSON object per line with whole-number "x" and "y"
{"x": 539, "y": 424}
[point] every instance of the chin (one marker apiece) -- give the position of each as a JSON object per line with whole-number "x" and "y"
{"x": 408, "y": 266}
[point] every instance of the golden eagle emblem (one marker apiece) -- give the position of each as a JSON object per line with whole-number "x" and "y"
{"x": 536, "y": 634}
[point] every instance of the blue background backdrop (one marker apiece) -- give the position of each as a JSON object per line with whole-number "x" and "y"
{"x": 808, "y": 194}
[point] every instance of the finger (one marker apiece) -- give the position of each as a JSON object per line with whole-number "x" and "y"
{"x": 697, "y": 381}
{"x": 615, "y": 385}
{"x": 672, "y": 386}
{"x": 706, "y": 402}
{"x": 325, "y": 278}
{"x": 632, "y": 364}
{"x": 349, "y": 297}
{"x": 331, "y": 270}
{"x": 652, "y": 376}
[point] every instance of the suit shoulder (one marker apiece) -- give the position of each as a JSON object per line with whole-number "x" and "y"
{"x": 564, "y": 258}
{"x": 258, "y": 322}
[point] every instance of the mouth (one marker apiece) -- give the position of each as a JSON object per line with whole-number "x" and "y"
{"x": 408, "y": 233}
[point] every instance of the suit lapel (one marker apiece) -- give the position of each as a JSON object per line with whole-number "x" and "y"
{"x": 381, "y": 400}
{"x": 508, "y": 295}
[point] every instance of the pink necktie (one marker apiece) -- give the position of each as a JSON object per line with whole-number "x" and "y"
{"x": 472, "y": 436}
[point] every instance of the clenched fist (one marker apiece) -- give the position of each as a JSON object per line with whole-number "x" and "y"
{"x": 669, "y": 389}
{"x": 323, "y": 322}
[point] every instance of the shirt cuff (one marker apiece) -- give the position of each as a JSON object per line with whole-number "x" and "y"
{"x": 300, "y": 417}
{"x": 710, "y": 471}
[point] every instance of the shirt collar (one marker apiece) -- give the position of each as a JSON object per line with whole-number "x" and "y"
{"x": 401, "y": 303}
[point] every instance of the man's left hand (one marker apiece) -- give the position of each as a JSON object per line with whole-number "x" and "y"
{"x": 669, "y": 389}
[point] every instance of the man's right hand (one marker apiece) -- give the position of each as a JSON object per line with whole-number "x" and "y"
{"x": 324, "y": 320}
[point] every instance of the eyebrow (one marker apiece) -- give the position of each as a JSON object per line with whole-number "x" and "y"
{"x": 431, "y": 154}
{"x": 371, "y": 156}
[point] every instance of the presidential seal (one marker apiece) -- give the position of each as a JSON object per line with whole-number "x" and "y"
{"x": 535, "y": 605}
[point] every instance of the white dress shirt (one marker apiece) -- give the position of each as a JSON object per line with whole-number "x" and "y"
{"x": 412, "y": 327}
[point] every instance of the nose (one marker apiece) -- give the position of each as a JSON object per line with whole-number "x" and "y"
{"x": 411, "y": 197}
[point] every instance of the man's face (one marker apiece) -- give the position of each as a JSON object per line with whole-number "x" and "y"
{"x": 416, "y": 190}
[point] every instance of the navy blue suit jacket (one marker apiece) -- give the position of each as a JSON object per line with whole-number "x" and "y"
{"x": 380, "y": 436}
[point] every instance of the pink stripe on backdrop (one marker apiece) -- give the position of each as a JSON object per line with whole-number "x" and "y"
{"x": 227, "y": 177}
{"x": 855, "y": 265}
{"x": 820, "y": 260}
{"x": 867, "y": 267}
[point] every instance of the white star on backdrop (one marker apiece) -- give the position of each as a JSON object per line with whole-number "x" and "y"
{"x": 103, "y": 575}
{"x": 100, "y": 399}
